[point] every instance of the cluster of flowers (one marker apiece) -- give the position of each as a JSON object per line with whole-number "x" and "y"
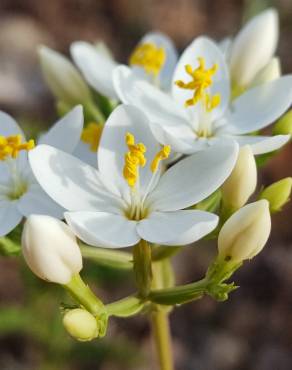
{"x": 160, "y": 152}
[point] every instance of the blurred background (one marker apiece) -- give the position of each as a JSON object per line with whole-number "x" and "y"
{"x": 253, "y": 329}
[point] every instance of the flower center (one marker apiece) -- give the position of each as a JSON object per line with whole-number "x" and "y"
{"x": 134, "y": 159}
{"x": 10, "y": 146}
{"x": 150, "y": 57}
{"x": 91, "y": 135}
{"x": 201, "y": 81}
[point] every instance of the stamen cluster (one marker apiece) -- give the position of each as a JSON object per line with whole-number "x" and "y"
{"x": 10, "y": 146}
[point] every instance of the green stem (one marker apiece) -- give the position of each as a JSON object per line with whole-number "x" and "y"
{"x": 95, "y": 112}
{"x": 125, "y": 307}
{"x": 160, "y": 253}
{"x": 115, "y": 259}
{"x": 142, "y": 267}
{"x": 162, "y": 337}
{"x": 83, "y": 294}
{"x": 160, "y": 320}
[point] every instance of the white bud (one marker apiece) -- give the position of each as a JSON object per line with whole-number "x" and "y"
{"x": 246, "y": 232}
{"x": 50, "y": 249}
{"x": 63, "y": 79}
{"x": 270, "y": 72}
{"x": 242, "y": 182}
{"x": 254, "y": 47}
{"x": 81, "y": 324}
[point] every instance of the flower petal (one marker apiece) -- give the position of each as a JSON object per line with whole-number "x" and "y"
{"x": 36, "y": 201}
{"x": 157, "y": 105}
{"x": 70, "y": 182}
{"x": 65, "y": 134}
{"x": 177, "y": 228}
{"x": 194, "y": 178}
{"x": 10, "y": 217}
{"x": 95, "y": 66}
{"x": 112, "y": 147}
{"x": 254, "y": 46}
{"x": 8, "y": 126}
{"x": 102, "y": 229}
{"x": 262, "y": 144}
{"x": 259, "y": 107}
{"x": 83, "y": 152}
{"x": 207, "y": 49}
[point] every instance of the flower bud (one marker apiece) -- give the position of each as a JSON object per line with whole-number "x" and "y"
{"x": 245, "y": 233}
{"x": 278, "y": 194}
{"x": 270, "y": 72}
{"x": 284, "y": 125}
{"x": 50, "y": 249}
{"x": 253, "y": 47}
{"x": 242, "y": 182}
{"x": 80, "y": 324}
{"x": 63, "y": 79}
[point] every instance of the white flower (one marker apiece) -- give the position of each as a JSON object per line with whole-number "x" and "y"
{"x": 153, "y": 59}
{"x": 50, "y": 249}
{"x": 198, "y": 112}
{"x": 246, "y": 232}
{"x": 253, "y": 48}
{"x": 124, "y": 201}
{"x": 20, "y": 194}
{"x": 63, "y": 79}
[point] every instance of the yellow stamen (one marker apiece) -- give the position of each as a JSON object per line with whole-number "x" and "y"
{"x": 10, "y": 146}
{"x": 160, "y": 156}
{"x": 201, "y": 81}
{"x": 91, "y": 135}
{"x": 134, "y": 159}
{"x": 148, "y": 56}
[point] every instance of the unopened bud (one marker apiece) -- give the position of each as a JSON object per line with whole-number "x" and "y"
{"x": 245, "y": 233}
{"x": 50, "y": 249}
{"x": 278, "y": 194}
{"x": 242, "y": 182}
{"x": 284, "y": 125}
{"x": 80, "y": 324}
{"x": 63, "y": 79}
{"x": 270, "y": 72}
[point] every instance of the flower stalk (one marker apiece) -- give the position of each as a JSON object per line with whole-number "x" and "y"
{"x": 142, "y": 267}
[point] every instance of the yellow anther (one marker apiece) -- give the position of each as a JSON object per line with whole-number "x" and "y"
{"x": 10, "y": 146}
{"x": 148, "y": 56}
{"x": 134, "y": 159}
{"x": 161, "y": 155}
{"x": 91, "y": 135}
{"x": 201, "y": 81}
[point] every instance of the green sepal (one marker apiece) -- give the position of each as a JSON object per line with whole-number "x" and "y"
{"x": 211, "y": 203}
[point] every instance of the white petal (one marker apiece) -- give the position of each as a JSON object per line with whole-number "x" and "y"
{"x": 36, "y": 201}
{"x": 157, "y": 105}
{"x": 10, "y": 217}
{"x": 179, "y": 137}
{"x": 225, "y": 46}
{"x": 8, "y": 126}
{"x": 259, "y": 107}
{"x": 95, "y": 66}
{"x": 262, "y": 144}
{"x": 206, "y": 48}
{"x": 161, "y": 40}
{"x": 194, "y": 178}
{"x": 254, "y": 46}
{"x": 83, "y": 152}
{"x": 68, "y": 181}
{"x": 112, "y": 147}
{"x": 65, "y": 134}
{"x": 176, "y": 228}
{"x": 103, "y": 229}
